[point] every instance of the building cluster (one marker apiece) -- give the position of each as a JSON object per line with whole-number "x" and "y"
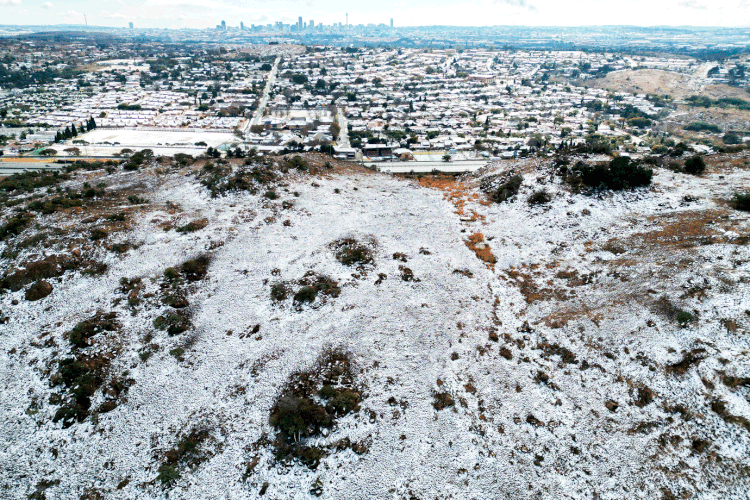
{"x": 369, "y": 103}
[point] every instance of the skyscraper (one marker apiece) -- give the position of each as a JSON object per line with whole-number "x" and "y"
{"x": 242, "y": 26}
{"x": 391, "y": 23}
{"x": 130, "y": 25}
{"x": 312, "y": 25}
{"x": 224, "y": 25}
{"x": 299, "y": 24}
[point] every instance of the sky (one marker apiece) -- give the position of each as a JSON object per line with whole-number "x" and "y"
{"x": 208, "y": 13}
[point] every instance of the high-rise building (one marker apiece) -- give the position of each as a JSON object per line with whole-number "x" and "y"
{"x": 130, "y": 25}
{"x": 347, "y": 19}
{"x": 312, "y": 25}
{"x": 299, "y": 24}
{"x": 391, "y": 22}
{"x": 242, "y": 26}
{"x": 224, "y": 25}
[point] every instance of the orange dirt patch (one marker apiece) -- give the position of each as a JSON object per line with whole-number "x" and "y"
{"x": 531, "y": 291}
{"x": 482, "y": 250}
{"x": 457, "y": 193}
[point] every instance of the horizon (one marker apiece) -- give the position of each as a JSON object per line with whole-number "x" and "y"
{"x": 191, "y": 14}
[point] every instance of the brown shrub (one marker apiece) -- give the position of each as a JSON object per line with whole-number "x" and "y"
{"x": 38, "y": 291}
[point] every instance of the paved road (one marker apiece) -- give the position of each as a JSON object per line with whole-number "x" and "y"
{"x": 343, "y": 140}
{"x": 264, "y": 99}
{"x": 404, "y": 167}
{"x": 15, "y": 167}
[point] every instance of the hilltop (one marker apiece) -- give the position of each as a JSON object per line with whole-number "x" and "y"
{"x": 296, "y": 327}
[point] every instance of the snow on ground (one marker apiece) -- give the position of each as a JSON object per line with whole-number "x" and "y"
{"x": 576, "y": 329}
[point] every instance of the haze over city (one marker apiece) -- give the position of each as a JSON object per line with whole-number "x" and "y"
{"x": 204, "y": 13}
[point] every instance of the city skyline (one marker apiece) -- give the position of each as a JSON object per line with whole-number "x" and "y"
{"x": 192, "y": 13}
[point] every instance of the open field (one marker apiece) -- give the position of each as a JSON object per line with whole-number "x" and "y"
{"x": 161, "y": 142}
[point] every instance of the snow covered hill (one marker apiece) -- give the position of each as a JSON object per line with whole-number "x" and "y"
{"x": 314, "y": 331}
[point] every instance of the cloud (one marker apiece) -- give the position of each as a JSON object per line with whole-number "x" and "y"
{"x": 47, "y": 5}
{"x": 692, "y": 4}
{"x": 10, "y": 2}
{"x": 523, "y": 4}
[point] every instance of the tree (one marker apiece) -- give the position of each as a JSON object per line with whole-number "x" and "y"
{"x": 335, "y": 130}
{"x": 695, "y": 165}
{"x": 73, "y": 131}
{"x": 73, "y": 151}
{"x": 320, "y": 84}
{"x": 447, "y": 158}
{"x": 48, "y": 152}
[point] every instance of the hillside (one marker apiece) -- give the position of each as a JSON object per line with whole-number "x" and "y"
{"x": 297, "y": 330}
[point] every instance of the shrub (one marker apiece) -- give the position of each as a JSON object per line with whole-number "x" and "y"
{"x": 136, "y": 200}
{"x": 703, "y": 127}
{"x": 684, "y": 318}
{"x": 15, "y": 225}
{"x": 168, "y": 474}
{"x": 695, "y": 165}
{"x": 539, "y": 197}
{"x": 174, "y": 322}
{"x": 508, "y": 189}
{"x": 279, "y": 292}
{"x": 731, "y": 138}
{"x": 741, "y": 201}
{"x": 193, "y": 226}
{"x": 350, "y": 252}
{"x": 306, "y": 294}
{"x": 442, "y": 400}
{"x": 98, "y": 234}
{"x": 81, "y": 334}
{"x": 271, "y": 195}
{"x": 297, "y": 416}
{"x": 621, "y": 173}
{"x": 196, "y": 269}
{"x": 38, "y": 291}
{"x": 297, "y": 162}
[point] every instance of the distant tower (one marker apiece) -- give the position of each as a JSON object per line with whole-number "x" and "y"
{"x": 224, "y": 25}
{"x": 391, "y": 23}
{"x": 299, "y": 24}
{"x": 312, "y": 25}
{"x": 131, "y": 25}
{"x": 347, "y": 19}
{"x": 242, "y": 26}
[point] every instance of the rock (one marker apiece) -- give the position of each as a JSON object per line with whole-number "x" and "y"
{"x": 611, "y": 405}
{"x": 38, "y": 291}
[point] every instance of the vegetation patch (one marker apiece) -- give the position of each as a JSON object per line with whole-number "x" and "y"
{"x": 617, "y": 175}
{"x": 442, "y": 400}
{"x": 540, "y": 197}
{"x": 306, "y": 291}
{"x": 193, "y": 226}
{"x": 50, "y": 267}
{"x": 311, "y": 402}
{"x": 188, "y": 453}
{"x": 703, "y": 127}
{"x": 38, "y": 291}
{"x": 15, "y": 225}
{"x": 350, "y": 252}
{"x": 500, "y": 189}
{"x": 741, "y": 201}
{"x": 81, "y": 335}
{"x": 695, "y": 165}
{"x": 666, "y": 308}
